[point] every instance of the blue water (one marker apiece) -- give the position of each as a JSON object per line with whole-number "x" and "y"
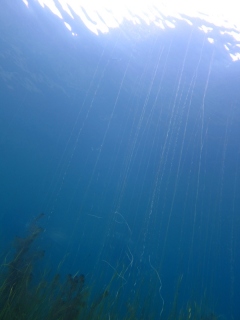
{"x": 128, "y": 142}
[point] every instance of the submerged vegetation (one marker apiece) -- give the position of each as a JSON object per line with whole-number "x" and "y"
{"x": 22, "y": 297}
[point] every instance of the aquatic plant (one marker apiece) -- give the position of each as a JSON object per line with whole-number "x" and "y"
{"x": 14, "y": 290}
{"x": 68, "y": 299}
{"x": 22, "y": 298}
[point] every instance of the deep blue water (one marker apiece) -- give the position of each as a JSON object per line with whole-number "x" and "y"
{"x": 128, "y": 142}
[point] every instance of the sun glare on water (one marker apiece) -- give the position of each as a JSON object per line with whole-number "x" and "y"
{"x": 102, "y": 16}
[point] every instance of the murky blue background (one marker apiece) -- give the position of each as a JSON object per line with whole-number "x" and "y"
{"x": 129, "y": 143}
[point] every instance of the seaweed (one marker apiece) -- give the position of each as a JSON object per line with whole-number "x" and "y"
{"x": 22, "y": 298}
{"x": 15, "y": 287}
{"x": 69, "y": 298}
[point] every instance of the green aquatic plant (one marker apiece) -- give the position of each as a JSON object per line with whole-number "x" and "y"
{"x": 22, "y": 298}
{"x": 68, "y": 299}
{"x": 17, "y": 276}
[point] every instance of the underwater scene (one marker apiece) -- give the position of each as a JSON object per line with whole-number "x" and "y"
{"x": 119, "y": 163}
